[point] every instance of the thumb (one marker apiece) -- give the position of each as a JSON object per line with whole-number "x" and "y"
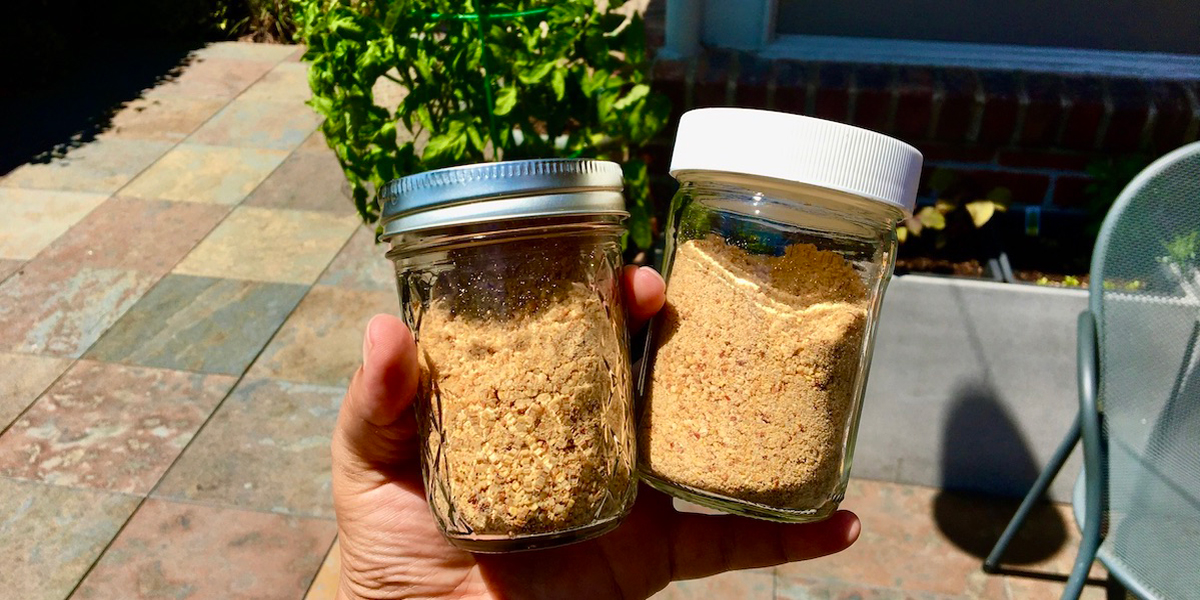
{"x": 376, "y": 424}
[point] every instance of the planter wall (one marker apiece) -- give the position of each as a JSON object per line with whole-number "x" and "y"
{"x": 972, "y": 385}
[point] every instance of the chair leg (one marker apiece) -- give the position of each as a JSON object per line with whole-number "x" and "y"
{"x": 1083, "y": 562}
{"x": 1035, "y": 493}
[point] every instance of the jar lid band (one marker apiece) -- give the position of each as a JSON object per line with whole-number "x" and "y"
{"x": 497, "y": 191}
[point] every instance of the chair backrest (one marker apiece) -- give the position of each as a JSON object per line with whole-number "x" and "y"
{"x": 1145, "y": 295}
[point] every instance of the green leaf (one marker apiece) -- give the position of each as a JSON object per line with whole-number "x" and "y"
{"x": 536, "y": 74}
{"x": 558, "y": 83}
{"x": 506, "y": 99}
{"x": 981, "y": 212}
{"x": 930, "y": 217}
{"x": 637, "y": 93}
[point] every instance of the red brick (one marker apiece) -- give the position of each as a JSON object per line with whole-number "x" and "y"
{"x": 1026, "y": 188}
{"x": 833, "y": 93}
{"x": 1070, "y": 191}
{"x": 873, "y": 97}
{"x": 1000, "y": 107}
{"x": 959, "y": 105}
{"x": 1044, "y": 111}
{"x": 1173, "y": 114}
{"x": 713, "y": 73}
{"x": 791, "y": 86}
{"x": 914, "y": 103}
{"x": 1044, "y": 159}
{"x": 1085, "y": 114}
{"x": 754, "y": 75}
{"x": 1130, "y": 107}
{"x": 955, "y": 152}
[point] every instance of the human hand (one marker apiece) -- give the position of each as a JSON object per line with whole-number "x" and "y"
{"x": 391, "y": 547}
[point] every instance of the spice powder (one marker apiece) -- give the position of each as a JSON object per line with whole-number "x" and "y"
{"x": 754, "y": 380}
{"x": 529, "y": 428}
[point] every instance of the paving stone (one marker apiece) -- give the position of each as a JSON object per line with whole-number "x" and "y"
{"x": 61, "y": 310}
{"x": 50, "y": 535}
{"x": 110, "y": 427}
{"x": 257, "y": 124}
{"x": 150, "y": 236}
{"x": 101, "y": 167}
{"x": 35, "y": 218}
{"x": 183, "y": 551}
{"x": 266, "y": 448}
{"x": 195, "y": 173}
{"x": 321, "y": 342}
{"x": 200, "y": 324}
{"x": 286, "y": 246}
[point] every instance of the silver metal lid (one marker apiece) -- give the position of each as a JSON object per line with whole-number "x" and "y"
{"x": 504, "y": 190}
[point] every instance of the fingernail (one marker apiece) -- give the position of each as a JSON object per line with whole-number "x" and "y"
{"x": 368, "y": 339}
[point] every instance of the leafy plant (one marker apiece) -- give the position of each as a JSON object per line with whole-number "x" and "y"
{"x": 1109, "y": 178}
{"x": 1182, "y": 250}
{"x": 956, "y": 204}
{"x": 257, "y": 20}
{"x": 480, "y": 81}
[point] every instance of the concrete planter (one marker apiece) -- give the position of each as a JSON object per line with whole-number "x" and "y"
{"x": 972, "y": 385}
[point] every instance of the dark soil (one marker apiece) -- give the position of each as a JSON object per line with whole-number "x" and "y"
{"x": 939, "y": 266}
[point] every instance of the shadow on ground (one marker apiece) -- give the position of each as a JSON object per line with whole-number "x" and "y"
{"x": 984, "y": 452}
{"x": 44, "y": 122}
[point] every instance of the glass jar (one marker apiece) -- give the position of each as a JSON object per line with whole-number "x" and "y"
{"x": 508, "y": 275}
{"x": 780, "y": 244}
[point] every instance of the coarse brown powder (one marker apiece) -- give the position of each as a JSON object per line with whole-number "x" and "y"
{"x": 529, "y": 428}
{"x": 754, "y": 379}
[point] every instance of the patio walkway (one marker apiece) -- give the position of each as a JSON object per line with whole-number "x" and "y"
{"x": 181, "y": 304}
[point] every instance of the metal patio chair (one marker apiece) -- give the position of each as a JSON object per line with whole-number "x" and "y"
{"x": 1137, "y": 499}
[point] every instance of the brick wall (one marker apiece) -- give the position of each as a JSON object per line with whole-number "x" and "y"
{"x": 1033, "y": 133}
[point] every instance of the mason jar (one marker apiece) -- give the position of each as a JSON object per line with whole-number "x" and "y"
{"x": 780, "y": 244}
{"x": 508, "y": 275}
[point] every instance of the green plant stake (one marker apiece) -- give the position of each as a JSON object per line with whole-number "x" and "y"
{"x": 480, "y": 81}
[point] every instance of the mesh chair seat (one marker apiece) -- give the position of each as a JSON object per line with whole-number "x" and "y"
{"x": 1145, "y": 296}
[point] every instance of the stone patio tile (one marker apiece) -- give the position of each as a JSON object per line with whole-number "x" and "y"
{"x": 143, "y": 235}
{"x": 361, "y": 265}
{"x": 195, "y": 173}
{"x": 325, "y": 585}
{"x": 110, "y": 427}
{"x": 23, "y": 377}
{"x": 101, "y": 167}
{"x": 50, "y": 535}
{"x": 804, "y": 589}
{"x": 256, "y": 124}
{"x": 315, "y": 143}
{"x": 9, "y": 266}
{"x": 35, "y": 218}
{"x": 266, "y": 448}
{"x": 183, "y": 551}
{"x": 286, "y": 246}
{"x": 321, "y": 342}
{"x": 199, "y": 324}
{"x": 306, "y": 181}
{"x": 757, "y": 584}
{"x": 165, "y": 118}
{"x": 297, "y": 54}
{"x": 222, "y": 78}
{"x": 246, "y": 51}
{"x": 62, "y": 310}
{"x": 287, "y": 82}
{"x": 900, "y": 547}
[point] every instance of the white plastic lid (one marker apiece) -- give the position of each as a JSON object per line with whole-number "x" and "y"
{"x": 800, "y": 149}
